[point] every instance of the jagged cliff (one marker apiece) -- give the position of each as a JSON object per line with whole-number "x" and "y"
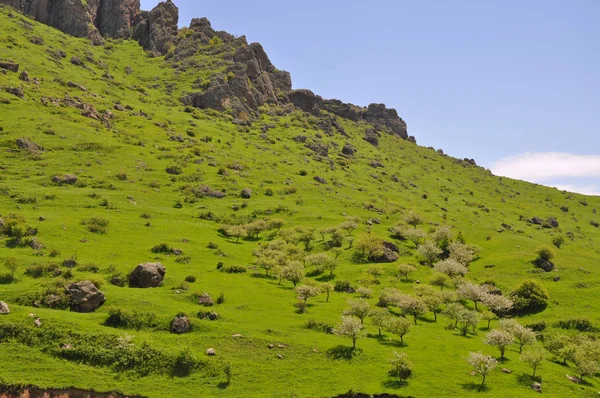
{"x": 249, "y": 81}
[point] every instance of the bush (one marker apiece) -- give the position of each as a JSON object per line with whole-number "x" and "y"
{"x": 190, "y": 278}
{"x": 318, "y": 326}
{"x": 530, "y": 297}
{"x": 544, "y": 254}
{"x": 580, "y": 324}
{"x": 96, "y": 225}
{"x": 41, "y": 270}
{"x": 343, "y": 286}
{"x": 118, "y": 280}
{"x": 221, "y": 298}
{"x": 184, "y": 364}
{"x": 174, "y": 169}
{"x": 234, "y": 269}
{"x": 126, "y": 319}
{"x": 162, "y": 248}
{"x": 558, "y": 241}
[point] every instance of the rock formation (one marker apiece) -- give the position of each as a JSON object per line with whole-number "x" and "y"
{"x": 156, "y": 30}
{"x": 85, "y": 296}
{"x": 147, "y": 275}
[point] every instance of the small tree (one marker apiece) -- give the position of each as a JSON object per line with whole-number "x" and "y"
{"x": 401, "y": 366}
{"x": 534, "y": 357}
{"x": 471, "y": 291}
{"x": 500, "y": 339}
{"x": 236, "y": 231}
{"x": 433, "y": 302}
{"x": 326, "y": 288}
{"x": 276, "y": 223}
{"x": 468, "y": 319}
{"x": 369, "y": 245}
{"x": 350, "y": 327}
{"x": 399, "y": 326}
{"x": 482, "y": 364}
{"x": 488, "y": 316}
{"x": 441, "y": 280}
{"x": 411, "y": 306}
{"x": 561, "y": 346}
{"x": 306, "y": 237}
{"x": 405, "y": 269}
{"x": 12, "y": 264}
{"x": 379, "y": 317}
{"x": 305, "y": 292}
{"x": 359, "y": 308}
{"x": 413, "y": 219}
{"x": 586, "y": 363}
{"x": 256, "y": 227}
{"x": 348, "y": 226}
{"x": 452, "y": 268}
{"x": 429, "y": 252}
{"x": 500, "y": 305}
{"x": 454, "y": 311}
{"x": 462, "y": 253}
{"x": 294, "y": 272}
{"x": 337, "y": 252}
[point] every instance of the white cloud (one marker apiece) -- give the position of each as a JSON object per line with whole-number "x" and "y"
{"x": 544, "y": 167}
{"x": 584, "y": 189}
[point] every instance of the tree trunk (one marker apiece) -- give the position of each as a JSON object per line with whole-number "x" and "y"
{"x": 489, "y": 322}
{"x": 353, "y": 343}
{"x": 379, "y": 332}
{"x": 434, "y": 316}
{"x": 476, "y": 309}
{"x": 502, "y": 352}
{"x": 415, "y": 318}
{"x": 534, "y": 369}
{"x": 483, "y": 381}
{"x": 327, "y": 300}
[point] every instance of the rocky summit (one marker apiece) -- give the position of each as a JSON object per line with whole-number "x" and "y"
{"x": 248, "y": 81}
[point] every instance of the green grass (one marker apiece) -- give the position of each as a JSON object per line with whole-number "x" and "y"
{"x": 122, "y": 175}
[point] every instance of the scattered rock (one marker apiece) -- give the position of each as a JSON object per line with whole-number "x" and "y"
{"x": 76, "y": 85}
{"x": 24, "y": 76}
{"x": 35, "y": 244}
{"x": 536, "y": 387}
{"x": 552, "y": 222}
{"x": 281, "y": 346}
{"x": 371, "y": 137}
{"x": 237, "y": 336}
{"x": 205, "y": 300}
{"x": 177, "y": 252}
{"x": 9, "y": 65}
{"x": 69, "y": 263}
{"x": 4, "y": 310}
{"x": 42, "y": 218}
{"x": 181, "y": 324}
{"x": 574, "y": 379}
{"x": 557, "y": 278}
{"x": 246, "y": 193}
{"x": 147, "y": 275}
{"x": 85, "y": 296}
{"x": 29, "y": 146}
{"x": 211, "y": 352}
{"x": 210, "y": 315}
{"x": 279, "y": 356}
{"x": 320, "y": 180}
{"x": 119, "y": 107}
{"x": 37, "y": 322}
{"x": 65, "y": 179}
{"x": 547, "y": 265}
{"x": 504, "y": 370}
{"x": 536, "y": 221}
{"x": 506, "y": 226}
{"x": 16, "y": 91}
{"x": 76, "y": 61}
{"x": 348, "y": 150}
{"x": 271, "y": 346}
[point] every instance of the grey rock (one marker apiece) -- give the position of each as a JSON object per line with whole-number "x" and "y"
{"x": 147, "y": 275}
{"x": 4, "y": 308}
{"x": 211, "y": 352}
{"x": 320, "y": 180}
{"x": 246, "y": 193}
{"x": 205, "y": 300}
{"x": 157, "y": 30}
{"x": 85, "y": 296}
{"x": 180, "y": 325}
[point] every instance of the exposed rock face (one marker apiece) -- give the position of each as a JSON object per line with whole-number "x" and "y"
{"x": 147, "y": 275}
{"x": 156, "y": 30}
{"x": 85, "y": 296}
{"x": 115, "y": 17}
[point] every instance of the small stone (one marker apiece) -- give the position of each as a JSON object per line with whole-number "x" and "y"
{"x": 281, "y": 346}
{"x": 211, "y": 352}
{"x": 504, "y": 370}
{"x": 537, "y": 387}
{"x": 237, "y": 336}
{"x": 279, "y": 356}
{"x": 42, "y": 218}
{"x": 271, "y": 346}
{"x": 38, "y": 322}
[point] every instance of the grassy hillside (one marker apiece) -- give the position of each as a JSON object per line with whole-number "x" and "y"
{"x": 143, "y": 174}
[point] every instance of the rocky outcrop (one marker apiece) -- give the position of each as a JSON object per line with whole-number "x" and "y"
{"x": 156, "y": 30}
{"x": 85, "y": 296}
{"x": 147, "y": 275}
{"x": 20, "y": 391}
{"x": 115, "y": 18}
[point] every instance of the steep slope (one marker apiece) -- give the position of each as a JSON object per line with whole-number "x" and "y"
{"x": 109, "y": 152}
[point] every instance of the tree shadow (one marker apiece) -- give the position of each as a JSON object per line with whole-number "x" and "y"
{"x": 325, "y": 278}
{"x": 393, "y": 343}
{"x": 477, "y": 387}
{"x": 223, "y": 385}
{"x": 526, "y": 380}
{"x": 342, "y": 352}
{"x": 314, "y": 273}
{"x": 260, "y": 275}
{"x": 394, "y": 383}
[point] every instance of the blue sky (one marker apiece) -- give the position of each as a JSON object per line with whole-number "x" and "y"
{"x": 513, "y": 84}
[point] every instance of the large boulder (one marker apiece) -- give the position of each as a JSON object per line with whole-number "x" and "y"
{"x": 147, "y": 275}
{"x": 85, "y": 296}
{"x": 305, "y": 100}
{"x": 4, "y": 308}
{"x": 180, "y": 325}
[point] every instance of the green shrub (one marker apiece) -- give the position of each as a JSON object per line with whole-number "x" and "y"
{"x": 580, "y": 324}
{"x": 529, "y": 297}
{"x": 162, "y": 248}
{"x": 544, "y": 254}
{"x": 234, "y": 269}
{"x": 558, "y": 241}
{"x": 190, "y": 278}
{"x": 127, "y": 319}
{"x": 96, "y": 225}
{"x": 342, "y": 286}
